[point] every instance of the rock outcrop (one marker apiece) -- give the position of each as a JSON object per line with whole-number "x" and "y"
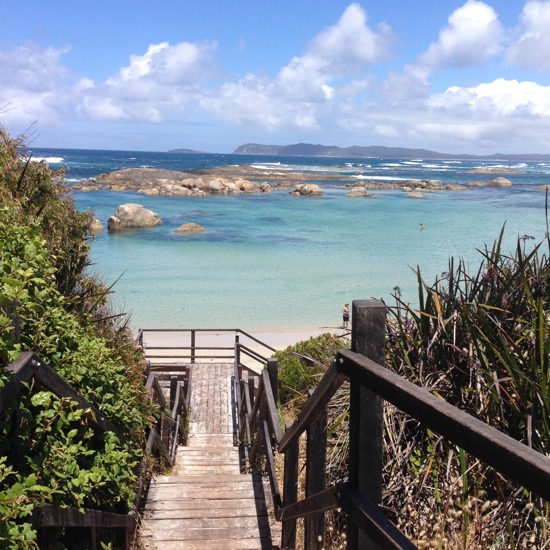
{"x": 495, "y": 182}
{"x": 153, "y": 181}
{"x": 96, "y": 227}
{"x": 359, "y": 191}
{"x": 307, "y": 189}
{"x": 190, "y": 228}
{"x": 132, "y": 216}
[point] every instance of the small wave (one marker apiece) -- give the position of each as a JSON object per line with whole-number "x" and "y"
{"x": 49, "y": 160}
{"x": 270, "y": 166}
{"x": 413, "y": 162}
{"x": 392, "y": 164}
{"x": 451, "y": 161}
{"x": 382, "y": 178}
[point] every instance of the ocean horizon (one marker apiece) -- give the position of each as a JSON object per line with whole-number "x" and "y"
{"x": 280, "y": 262}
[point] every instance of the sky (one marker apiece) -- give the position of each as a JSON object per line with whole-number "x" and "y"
{"x": 210, "y": 75}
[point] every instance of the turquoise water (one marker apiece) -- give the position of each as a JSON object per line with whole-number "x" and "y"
{"x": 277, "y": 261}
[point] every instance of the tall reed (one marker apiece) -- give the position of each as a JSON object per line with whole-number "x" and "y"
{"x": 480, "y": 341}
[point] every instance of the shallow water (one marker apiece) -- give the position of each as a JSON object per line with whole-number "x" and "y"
{"x": 275, "y": 260}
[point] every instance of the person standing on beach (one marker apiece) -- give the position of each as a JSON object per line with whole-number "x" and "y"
{"x": 345, "y": 316}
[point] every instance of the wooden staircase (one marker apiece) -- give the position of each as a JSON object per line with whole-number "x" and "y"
{"x": 208, "y": 501}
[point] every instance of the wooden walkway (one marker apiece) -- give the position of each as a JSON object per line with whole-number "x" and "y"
{"x": 207, "y": 502}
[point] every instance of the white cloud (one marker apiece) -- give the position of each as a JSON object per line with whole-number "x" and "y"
{"x": 252, "y": 101}
{"x": 309, "y": 83}
{"x": 33, "y": 84}
{"x": 532, "y": 48}
{"x": 154, "y": 86}
{"x": 410, "y": 84}
{"x": 498, "y": 98}
{"x": 473, "y": 35}
{"x": 182, "y": 64}
{"x": 351, "y": 44}
{"x": 499, "y": 116}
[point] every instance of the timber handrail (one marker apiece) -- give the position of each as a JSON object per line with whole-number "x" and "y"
{"x": 30, "y": 366}
{"x": 192, "y": 350}
{"x": 369, "y": 382}
{"x": 161, "y": 442}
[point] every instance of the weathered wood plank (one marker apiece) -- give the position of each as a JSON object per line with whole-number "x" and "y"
{"x": 162, "y": 526}
{"x": 209, "y": 440}
{"x": 190, "y": 479}
{"x": 51, "y": 515}
{"x": 203, "y": 534}
{"x": 209, "y": 512}
{"x": 222, "y": 544}
{"x": 206, "y": 502}
{"x": 183, "y": 493}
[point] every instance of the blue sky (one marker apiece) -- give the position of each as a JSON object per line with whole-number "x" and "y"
{"x": 209, "y": 75}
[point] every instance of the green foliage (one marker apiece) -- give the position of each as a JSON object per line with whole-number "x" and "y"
{"x": 38, "y": 196}
{"x": 50, "y": 451}
{"x": 481, "y": 341}
{"x": 302, "y": 365}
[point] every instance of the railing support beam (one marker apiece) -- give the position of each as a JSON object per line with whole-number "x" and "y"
{"x": 290, "y": 494}
{"x": 366, "y": 413}
{"x": 316, "y": 458}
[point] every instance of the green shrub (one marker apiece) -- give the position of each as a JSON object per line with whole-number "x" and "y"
{"x": 302, "y": 365}
{"x": 50, "y": 452}
{"x": 481, "y": 341}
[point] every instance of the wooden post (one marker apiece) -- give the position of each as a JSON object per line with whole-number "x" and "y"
{"x": 290, "y": 494}
{"x": 192, "y": 346}
{"x": 316, "y": 459}
{"x": 273, "y": 371}
{"x": 366, "y": 413}
{"x": 173, "y": 390}
{"x": 238, "y": 353}
{"x": 253, "y": 395}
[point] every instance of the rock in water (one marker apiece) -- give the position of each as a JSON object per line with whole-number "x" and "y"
{"x": 132, "y": 216}
{"x": 96, "y": 227}
{"x": 190, "y": 228}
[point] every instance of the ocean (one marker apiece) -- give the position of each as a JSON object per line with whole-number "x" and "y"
{"x": 275, "y": 261}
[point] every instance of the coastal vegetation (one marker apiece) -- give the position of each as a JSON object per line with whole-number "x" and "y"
{"x": 49, "y": 304}
{"x": 481, "y": 341}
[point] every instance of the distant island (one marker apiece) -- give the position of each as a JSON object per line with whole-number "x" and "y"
{"x": 376, "y": 151}
{"x": 187, "y": 151}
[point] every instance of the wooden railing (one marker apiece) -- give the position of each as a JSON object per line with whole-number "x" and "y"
{"x": 170, "y": 428}
{"x": 360, "y": 497}
{"x": 31, "y": 367}
{"x": 186, "y": 348}
{"x": 162, "y": 440}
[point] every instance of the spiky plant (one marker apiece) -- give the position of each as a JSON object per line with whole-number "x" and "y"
{"x": 482, "y": 342}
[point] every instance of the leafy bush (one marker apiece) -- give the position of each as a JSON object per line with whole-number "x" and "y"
{"x": 302, "y": 365}
{"x": 50, "y": 452}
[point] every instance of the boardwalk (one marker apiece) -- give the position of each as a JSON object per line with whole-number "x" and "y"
{"x": 207, "y": 502}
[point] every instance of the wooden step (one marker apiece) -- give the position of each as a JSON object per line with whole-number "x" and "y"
{"x": 208, "y": 501}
